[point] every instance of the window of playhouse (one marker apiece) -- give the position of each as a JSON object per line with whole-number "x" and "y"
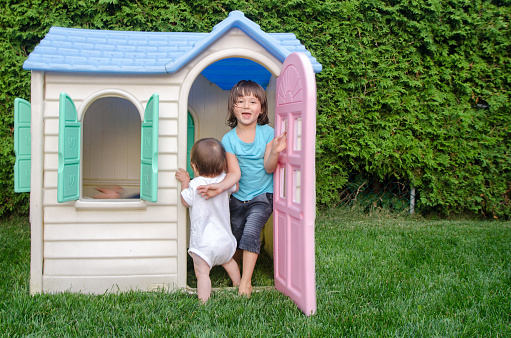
{"x": 111, "y": 150}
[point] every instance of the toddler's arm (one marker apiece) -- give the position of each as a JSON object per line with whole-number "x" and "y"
{"x": 183, "y": 177}
{"x": 231, "y": 178}
{"x": 273, "y": 149}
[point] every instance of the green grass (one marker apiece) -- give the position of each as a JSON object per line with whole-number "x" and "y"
{"x": 376, "y": 276}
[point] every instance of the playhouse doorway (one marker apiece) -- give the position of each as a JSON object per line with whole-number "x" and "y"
{"x": 111, "y": 147}
{"x": 208, "y": 98}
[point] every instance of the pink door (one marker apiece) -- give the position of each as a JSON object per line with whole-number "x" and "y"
{"x": 295, "y": 184}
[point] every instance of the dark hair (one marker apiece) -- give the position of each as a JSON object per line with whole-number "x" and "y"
{"x": 208, "y": 157}
{"x": 243, "y": 88}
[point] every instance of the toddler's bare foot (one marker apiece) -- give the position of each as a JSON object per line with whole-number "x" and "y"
{"x": 245, "y": 290}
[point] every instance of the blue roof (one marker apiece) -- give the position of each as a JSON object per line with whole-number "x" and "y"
{"x": 106, "y": 51}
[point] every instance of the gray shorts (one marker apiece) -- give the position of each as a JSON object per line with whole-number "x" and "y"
{"x": 248, "y": 219}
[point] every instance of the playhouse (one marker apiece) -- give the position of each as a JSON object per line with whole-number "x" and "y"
{"x": 122, "y": 108}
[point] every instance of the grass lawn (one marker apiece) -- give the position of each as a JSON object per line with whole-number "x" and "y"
{"x": 376, "y": 276}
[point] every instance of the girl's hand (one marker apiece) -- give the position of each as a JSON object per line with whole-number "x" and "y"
{"x": 273, "y": 149}
{"x": 279, "y": 143}
{"x": 210, "y": 190}
{"x": 231, "y": 178}
{"x": 182, "y": 176}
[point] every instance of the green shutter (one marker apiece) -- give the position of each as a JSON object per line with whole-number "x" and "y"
{"x": 189, "y": 143}
{"x": 149, "y": 151}
{"x": 68, "y": 188}
{"x": 22, "y": 145}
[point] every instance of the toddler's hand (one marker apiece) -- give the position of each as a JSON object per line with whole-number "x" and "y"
{"x": 182, "y": 176}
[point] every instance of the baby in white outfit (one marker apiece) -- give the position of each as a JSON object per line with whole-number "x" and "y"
{"x": 211, "y": 239}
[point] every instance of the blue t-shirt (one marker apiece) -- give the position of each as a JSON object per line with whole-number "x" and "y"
{"x": 254, "y": 179}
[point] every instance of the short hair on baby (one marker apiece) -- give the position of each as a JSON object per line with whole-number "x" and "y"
{"x": 208, "y": 157}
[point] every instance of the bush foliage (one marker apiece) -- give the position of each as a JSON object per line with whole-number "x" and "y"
{"x": 417, "y": 90}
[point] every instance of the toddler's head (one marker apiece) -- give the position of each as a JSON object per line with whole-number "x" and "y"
{"x": 247, "y": 88}
{"x": 208, "y": 157}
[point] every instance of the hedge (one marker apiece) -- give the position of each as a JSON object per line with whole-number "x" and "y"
{"x": 416, "y": 90}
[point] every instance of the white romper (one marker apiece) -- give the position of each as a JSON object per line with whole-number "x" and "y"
{"x": 211, "y": 237}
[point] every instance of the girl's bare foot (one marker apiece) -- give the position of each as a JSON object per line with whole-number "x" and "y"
{"x": 245, "y": 290}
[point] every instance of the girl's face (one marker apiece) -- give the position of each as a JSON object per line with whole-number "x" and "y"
{"x": 247, "y": 110}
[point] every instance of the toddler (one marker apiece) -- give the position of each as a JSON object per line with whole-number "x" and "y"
{"x": 211, "y": 240}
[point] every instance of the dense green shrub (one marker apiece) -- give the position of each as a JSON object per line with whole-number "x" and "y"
{"x": 417, "y": 90}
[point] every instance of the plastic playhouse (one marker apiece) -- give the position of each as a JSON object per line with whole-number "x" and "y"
{"x": 122, "y": 109}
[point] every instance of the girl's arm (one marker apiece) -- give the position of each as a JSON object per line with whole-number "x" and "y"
{"x": 232, "y": 178}
{"x": 273, "y": 149}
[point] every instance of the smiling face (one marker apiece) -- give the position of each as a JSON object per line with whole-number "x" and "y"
{"x": 247, "y": 110}
{"x": 247, "y": 100}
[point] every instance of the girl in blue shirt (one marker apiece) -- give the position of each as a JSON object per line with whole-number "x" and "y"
{"x": 252, "y": 155}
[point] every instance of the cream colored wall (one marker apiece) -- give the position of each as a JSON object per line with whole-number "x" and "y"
{"x": 208, "y": 105}
{"x": 101, "y": 245}
{"x": 36, "y": 182}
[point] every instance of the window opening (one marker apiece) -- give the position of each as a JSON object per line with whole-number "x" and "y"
{"x": 282, "y": 182}
{"x": 297, "y": 186}
{"x": 111, "y": 149}
{"x": 297, "y": 142}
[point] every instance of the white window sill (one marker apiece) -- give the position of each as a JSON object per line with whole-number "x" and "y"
{"x": 114, "y": 204}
